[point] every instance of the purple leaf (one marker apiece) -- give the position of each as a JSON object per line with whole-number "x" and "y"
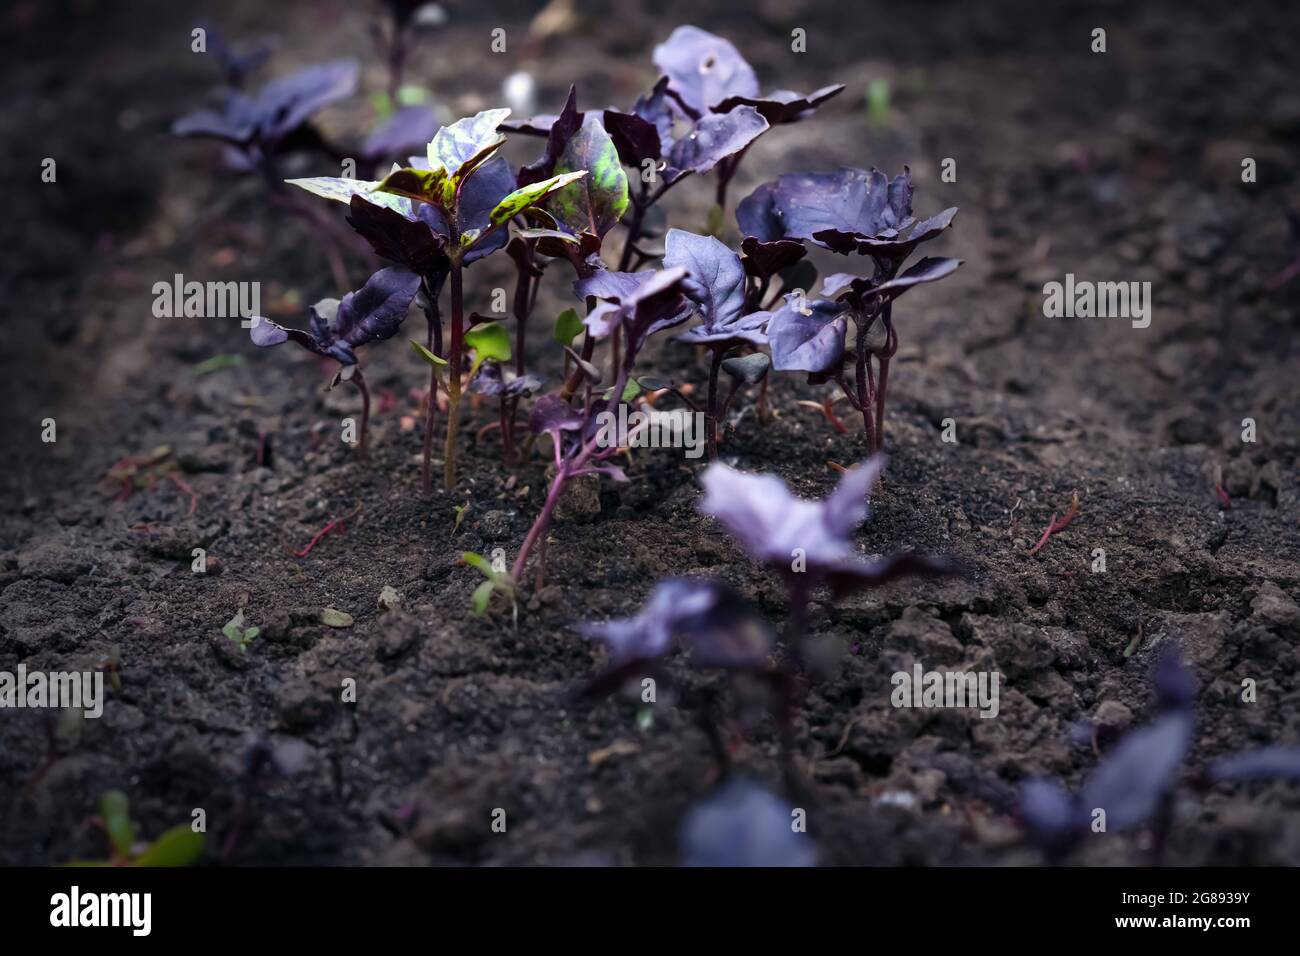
{"x": 410, "y": 128}
{"x": 703, "y": 69}
{"x": 1174, "y": 681}
{"x": 892, "y": 249}
{"x": 721, "y": 629}
{"x": 551, "y": 415}
{"x": 486, "y": 186}
{"x": 808, "y": 338}
{"x": 772, "y": 525}
{"x": 559, "y": 131}
{"x": 851, "y": 201}
{"x": 713, "y": 139}
{"x": 756, "y": 215}
{"x": 265, "y": 333}
{"x": 716, "y": 283}
{"x": 539, "y": 125}
{"x": 766, "y": 259}
{"x": 635, "y": 138}
{"x": 412, "y": 243}
{"x": 659, "y": 110}
{"x": 1051, "y": 815}
{"x": 929, "y": 269}
{"x": 1131, "y": 781}
{"x": 742, "y": 824}
{"x": 493, "y": 379}
{"x": 1266, "y": 763}
{"x": 783, "y": 106}
{"x": 285, "y": 104}
{"x": 376, "y": 310}
{"x": 645, "y": 302}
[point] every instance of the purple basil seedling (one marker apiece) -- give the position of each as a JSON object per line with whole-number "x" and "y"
{"x": 719, "y": 630}
{"x": 437, "y": 216}
{"x": 847, "y": 211}
{"x": 1132, "y": 785}
{"x": 807, "y": 543}
{"x": 639, "y": 305}
{"x": 260, "y": 130}
{"x": 338, "y": 327}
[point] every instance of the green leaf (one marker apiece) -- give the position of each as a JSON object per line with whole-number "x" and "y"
{"x": 478, "y": 561}
{"x": 459, "y": 149}
{"x": 251, "y": 633}
{"x": 433, "y": 186}
{"x": 234, "y": 628}
{"x": 217, "y": 363}
{"x": 567, "y": 326}
{"x": 519, "y": 200}
{"x": 596, "y": 203}
{"x": 425, "y": 354}
{"x": 341, "y": 189}
{"x": 332, "y": 617}
{"x": 878, "y": 101}
{"x": 411, "y": 95}
{"x": 179, "y": 846}
{"x": 482, "y": 594}
{"x": 489, "y": 340}
{"x": 630, "y": 391}
{"x": 116, "y": 812}
{"x": 540, "y": 233}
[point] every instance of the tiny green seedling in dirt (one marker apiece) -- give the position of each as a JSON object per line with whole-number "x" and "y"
{"x": 179, "y": 846}
{"x": 239, "y": 635}
{"x": 496, "y": 581}
{"x": 460, "y": 511}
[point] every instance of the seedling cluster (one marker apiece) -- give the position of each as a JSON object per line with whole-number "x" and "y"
{"x": 431, "y": 201}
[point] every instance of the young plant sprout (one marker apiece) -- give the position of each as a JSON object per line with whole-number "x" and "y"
{"x": 1132, "y": 785}
{"x": 338, "y": 327}
{"x": 743, "y": 824}
{"x": 639, "y": 304}
{"x": 239, "y": 635}
{"x": 496, "y": 581}
{"x": 508, "y": 386}
{"x": 179, "y": 846}
{"x": 721, "y": 632}
{"x": 437, "y": 216}
{"x": 807, "y": 543}
{"x": 261, "y": 130}
{"x": 847, "y": 211}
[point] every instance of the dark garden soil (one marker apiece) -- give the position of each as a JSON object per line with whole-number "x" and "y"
{"x": 1122, "y": 166}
